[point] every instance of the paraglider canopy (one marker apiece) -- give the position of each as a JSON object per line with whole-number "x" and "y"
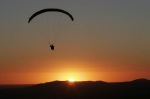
{"x": 48, "y": 10}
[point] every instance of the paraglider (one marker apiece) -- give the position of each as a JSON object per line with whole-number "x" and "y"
{"x": 53, "y": 33}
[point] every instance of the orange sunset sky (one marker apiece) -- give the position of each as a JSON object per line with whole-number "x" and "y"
{"x": 109, "y": 40}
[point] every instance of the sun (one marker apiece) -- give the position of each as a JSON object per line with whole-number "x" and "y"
{"x": 71, "y": 79}
{"x": 70, "y": 76}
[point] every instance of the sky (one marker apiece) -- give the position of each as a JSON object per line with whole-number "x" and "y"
{"x": 108, "y": 40}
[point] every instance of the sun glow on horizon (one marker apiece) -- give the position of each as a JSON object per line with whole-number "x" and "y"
{"x": 71, "y": 80}
{"x": 71, "y": 76}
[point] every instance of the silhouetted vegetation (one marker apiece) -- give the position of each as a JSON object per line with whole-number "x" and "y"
{"x": 136, "y": 89}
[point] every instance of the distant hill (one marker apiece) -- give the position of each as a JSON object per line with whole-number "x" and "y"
{"x": 136, "y": 89}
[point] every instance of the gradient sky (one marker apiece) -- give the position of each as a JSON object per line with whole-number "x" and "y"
{"x": 109, "y": 40}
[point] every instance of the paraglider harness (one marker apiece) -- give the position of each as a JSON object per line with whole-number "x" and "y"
{"x": 52, "y": 46}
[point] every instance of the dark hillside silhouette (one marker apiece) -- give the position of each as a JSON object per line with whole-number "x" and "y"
{"x": 136, "y": 89}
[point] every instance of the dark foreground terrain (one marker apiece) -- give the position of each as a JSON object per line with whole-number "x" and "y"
{"x": 136, "y": 89}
